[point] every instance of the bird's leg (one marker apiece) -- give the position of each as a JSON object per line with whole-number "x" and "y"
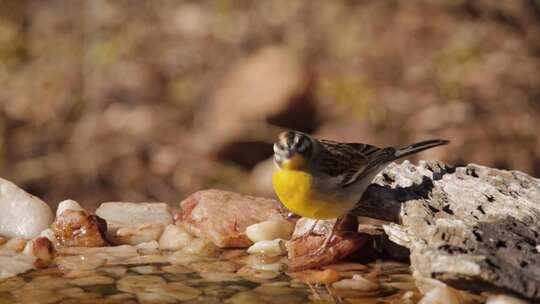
{"x": 309, "y": 232}
{"x": 316, "y": 294}
{"x": 329, "y": 237}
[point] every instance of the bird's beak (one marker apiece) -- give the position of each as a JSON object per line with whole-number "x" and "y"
{"x": 287, "y": 159}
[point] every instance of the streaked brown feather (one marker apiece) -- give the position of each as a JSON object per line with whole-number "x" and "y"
{"x": 345, "y": 159}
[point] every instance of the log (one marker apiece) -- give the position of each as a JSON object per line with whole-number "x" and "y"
{"x": 472, "y": 227}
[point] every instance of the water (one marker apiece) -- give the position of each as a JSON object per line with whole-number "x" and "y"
{"x": 202, "y": 282}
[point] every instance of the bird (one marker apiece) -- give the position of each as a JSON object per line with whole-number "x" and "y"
{"x": 323, "y": 179}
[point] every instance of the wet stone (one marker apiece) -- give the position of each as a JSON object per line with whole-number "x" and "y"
{"x": 199, "y": 279}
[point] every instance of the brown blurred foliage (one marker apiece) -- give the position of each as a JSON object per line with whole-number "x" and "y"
{"x": 152, "y": 100}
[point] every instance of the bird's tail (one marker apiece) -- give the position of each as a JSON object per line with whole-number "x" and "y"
{"x": 417, "y": 147}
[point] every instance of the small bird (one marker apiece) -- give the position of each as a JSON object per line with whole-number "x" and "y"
{"x": 324, "y": 179}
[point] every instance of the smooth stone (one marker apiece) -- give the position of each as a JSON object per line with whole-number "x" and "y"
{"x": 222, "y": 217}
{"x": 13, "y": 265}
{"x": 174, "y": 237}
{"x": 76, "y": 228}
{"x": 23, "y": 215}
{"x": 147, "y": 232}
{"x": 269, "y": 230}
{"x": 122, "y": 214}
{"x": 68, "y": 205}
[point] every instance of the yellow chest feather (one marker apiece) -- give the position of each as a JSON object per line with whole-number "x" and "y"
{"x": 296, "y": 191}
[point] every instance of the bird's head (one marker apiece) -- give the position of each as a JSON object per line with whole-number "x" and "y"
{"x": 293, "y": 150}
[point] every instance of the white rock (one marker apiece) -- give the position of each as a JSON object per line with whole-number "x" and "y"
{"x": 269, "y": 230}
{"x": 146, "y": 232}
{"x": 68, "y": 205}
{"x": 275, "y": 267}
{"x": 13, "y": 265}
{"x": 174, "y": 238}
{"x": 273, "y": 247}
{"x": 49, "y": 233}
{"x": 23, "y": 215}
{"x": 441, "y": 295}
{"x": 118, "y": 214}
{"x": 201, "y": 247}
{"x": 41, "y": 248}
{"x": 13, "y": 246}
{"x": 504, "y": 299}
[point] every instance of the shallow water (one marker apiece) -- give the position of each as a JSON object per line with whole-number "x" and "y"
{"x": 385, "y": 282}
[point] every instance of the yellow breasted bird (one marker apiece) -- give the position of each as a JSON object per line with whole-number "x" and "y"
{"x": 323, "y": 179}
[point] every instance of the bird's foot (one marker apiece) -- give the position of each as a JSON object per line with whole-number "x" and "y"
{"x": 307, "y": 233}
{"x": 324, "y": 246}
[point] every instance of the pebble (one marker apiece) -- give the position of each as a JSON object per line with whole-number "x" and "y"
{"x": 174, "y": 237}
{"x": 270, "y": 230}
{"x": 144, "y": 233}
{"x": 122, "y": 214}
{"x": 68, "y": 205}
{"x": 23, "y": 215}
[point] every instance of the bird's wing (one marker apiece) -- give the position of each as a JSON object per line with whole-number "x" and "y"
{"x": 348, "y": 160}
{"x": 371, "y": 158}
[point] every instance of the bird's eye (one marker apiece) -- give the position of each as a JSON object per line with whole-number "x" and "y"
{"x": 294, "y": 142}
{"x": 302, "y": 144}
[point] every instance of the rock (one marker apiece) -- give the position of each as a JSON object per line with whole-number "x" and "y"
{"x": 23, "y": 215}
{"x": 14, "y": 245}
{"x": 123, "y": 251}
{"x": 18, "y": 256}
{"x": 41, "y": 248}
{"x": 121, "y": 214}
{"x": 148, "y": 247}
{"x": 68, "y": 205}
{"x": 472, "y": 227}
{"x": 269, "y": 86}
{"x": 174, "y": 237}
{"x": 222, "y": 217}
{"x": 201, "y": 247}
{"x": 134, "y": 223}
{"x": 278, "y": 228}
{"x": 49, "y": 234}
{"x": 144, "y": 233}
{"x": 303, "y": 225}
{"x": 268, "y": 247}
{"x": 381, "y": 246}
{"x": 441, "y": 295}
{"x": 13, "y": 265}
{"x": 300, "y": 249}
{"x": 504, "y": 299}
{"x": 74, "y": 228}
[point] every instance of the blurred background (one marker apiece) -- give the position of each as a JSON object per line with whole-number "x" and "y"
{"x": 153, "y": 100}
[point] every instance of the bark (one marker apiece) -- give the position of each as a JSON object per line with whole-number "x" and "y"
{"x": 473, "y": 227}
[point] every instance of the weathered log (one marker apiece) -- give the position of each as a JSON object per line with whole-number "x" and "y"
{"x": 472, "y": 227}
